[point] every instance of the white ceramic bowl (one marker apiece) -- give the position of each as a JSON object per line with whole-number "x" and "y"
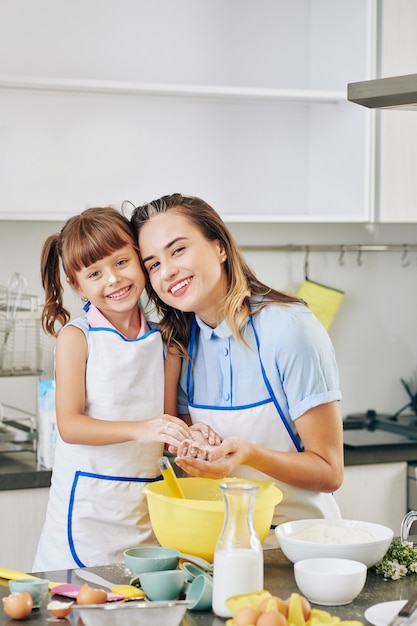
{"x": 330, "y": 582}
{"x": 345, "y": 539}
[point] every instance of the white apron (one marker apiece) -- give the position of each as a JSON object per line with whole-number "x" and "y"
{"x": 264, "y": 424}
{"x": 96, "y": 508}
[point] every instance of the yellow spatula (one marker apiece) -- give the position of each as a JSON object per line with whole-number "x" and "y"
{"x": 12, "y": 574}
{"x": 170, "y": 477}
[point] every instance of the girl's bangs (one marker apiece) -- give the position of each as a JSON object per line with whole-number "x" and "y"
{"x": 98, "y": 246}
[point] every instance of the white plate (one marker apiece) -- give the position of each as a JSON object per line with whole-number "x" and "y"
{"x": 381, "y": 614}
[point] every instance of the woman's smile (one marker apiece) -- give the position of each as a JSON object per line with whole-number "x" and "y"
{"x": 179, "y": 288}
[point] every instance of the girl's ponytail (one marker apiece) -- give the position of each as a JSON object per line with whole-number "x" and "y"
{"x": 53, "y": 309}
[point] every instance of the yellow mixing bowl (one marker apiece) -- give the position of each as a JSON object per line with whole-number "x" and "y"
{"x": 193, "y": 524}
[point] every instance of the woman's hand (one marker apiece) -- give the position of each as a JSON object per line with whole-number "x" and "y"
{"x": 211, "y": 461}
{"x": 200, "y": 440}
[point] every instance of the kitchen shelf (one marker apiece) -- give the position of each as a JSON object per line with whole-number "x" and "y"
{"x": 161, "y": 89}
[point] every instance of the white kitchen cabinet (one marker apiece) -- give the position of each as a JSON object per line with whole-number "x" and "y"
{"x": 397, "y": 181}
{"x": 23, "y": 515}
{"x": 375, "y": 493}
{"x": 239, "y": 102}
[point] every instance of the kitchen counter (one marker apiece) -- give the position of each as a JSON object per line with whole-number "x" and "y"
{"x": 18, "y": 470}
{"x": 373, "y": 453}
{"x": 279, "y": 580}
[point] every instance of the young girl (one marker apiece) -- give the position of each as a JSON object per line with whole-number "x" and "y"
{"x": 109, "y": 396}
{"x": 259, "y": 368}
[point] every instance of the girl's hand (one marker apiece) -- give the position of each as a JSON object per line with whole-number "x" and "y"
{"x": 205, "y": 434}
{"x": 165, "y": 428}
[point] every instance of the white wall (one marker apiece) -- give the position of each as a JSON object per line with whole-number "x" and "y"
{"x": 374, "y": 332}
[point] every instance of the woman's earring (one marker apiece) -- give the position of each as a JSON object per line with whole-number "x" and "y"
{"x": 84, "y": 299}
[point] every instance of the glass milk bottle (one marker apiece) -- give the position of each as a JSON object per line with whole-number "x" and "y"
{"x": 238, "y": 558}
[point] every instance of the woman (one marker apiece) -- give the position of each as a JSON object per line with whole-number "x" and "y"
{"x": 258, "y": 367}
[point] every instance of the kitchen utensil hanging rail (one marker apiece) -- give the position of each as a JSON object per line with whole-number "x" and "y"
{"x": 341, "y": 248}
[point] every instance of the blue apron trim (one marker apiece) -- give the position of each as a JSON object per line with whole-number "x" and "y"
{"x": 77, "y": 475}
{"x": 116, "y": 332}
{"x": 230, "y": 408}
{"x": 296, "y": 441}
{"x": 294, "y": 438}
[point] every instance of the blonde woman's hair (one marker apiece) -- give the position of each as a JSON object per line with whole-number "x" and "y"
{"x": 245, "y": 296}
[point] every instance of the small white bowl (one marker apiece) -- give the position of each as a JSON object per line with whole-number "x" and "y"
{"x": 366, "y": 542}
{"x": 330, "y": 582}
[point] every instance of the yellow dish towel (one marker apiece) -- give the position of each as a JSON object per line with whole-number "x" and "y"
{"x": 323, "y": 301}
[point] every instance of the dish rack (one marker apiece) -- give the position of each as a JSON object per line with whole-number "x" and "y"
{"x": 17, "y": 430}
{"x": 21, "y": 334}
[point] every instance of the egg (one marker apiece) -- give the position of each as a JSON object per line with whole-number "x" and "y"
{"x": 271, "y": 618}
{"x": 245, "y": 616}
{"x": 89, "y": 595}
{"x": 18, "y": 605}
{"x": 274, "y": 603}
{"x": 305, "y": 607}
{"x": 59, "y": 609}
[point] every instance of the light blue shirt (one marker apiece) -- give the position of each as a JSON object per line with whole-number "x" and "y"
{"x": 295, "y": 351}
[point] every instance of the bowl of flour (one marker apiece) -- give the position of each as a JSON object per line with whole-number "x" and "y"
{"x": 366, "y": 542}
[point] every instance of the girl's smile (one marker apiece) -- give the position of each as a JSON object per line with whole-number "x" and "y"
{"x": 114, "y": 285}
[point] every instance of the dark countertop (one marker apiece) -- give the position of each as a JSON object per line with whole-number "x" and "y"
{"x": 366, "y": 455}
{"x": 18, "y": 470}
{"x": 279, "y": 580}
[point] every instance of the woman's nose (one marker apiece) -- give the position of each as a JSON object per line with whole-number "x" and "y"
{"x": 168, "y": 270}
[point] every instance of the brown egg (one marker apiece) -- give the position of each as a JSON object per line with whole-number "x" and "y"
{"x": 89, "y": 595}
{"x": 271, "y": 618}
{"x": 305, "y": 607}
{"x": 59, "y": 609}
{"x": 18, "y": 605}
{"x": 245, "y": 616}
{"x": 274, "y": 603}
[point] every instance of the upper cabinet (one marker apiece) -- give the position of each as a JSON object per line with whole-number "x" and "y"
{"x": 240, "y": 102}
{"x": 397, "y": 129}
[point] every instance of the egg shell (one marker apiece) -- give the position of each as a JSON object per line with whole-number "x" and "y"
{"x": 245, "y": 616}
{"x": 90, "y": 595}
{"x": 271, "y": 618}
{"x": 59, "y": 609}
{"x": 18, "y": 605}
{"x": 274, "y": 603}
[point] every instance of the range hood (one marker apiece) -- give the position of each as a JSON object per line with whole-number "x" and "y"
{"x": 396, "y": 92}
